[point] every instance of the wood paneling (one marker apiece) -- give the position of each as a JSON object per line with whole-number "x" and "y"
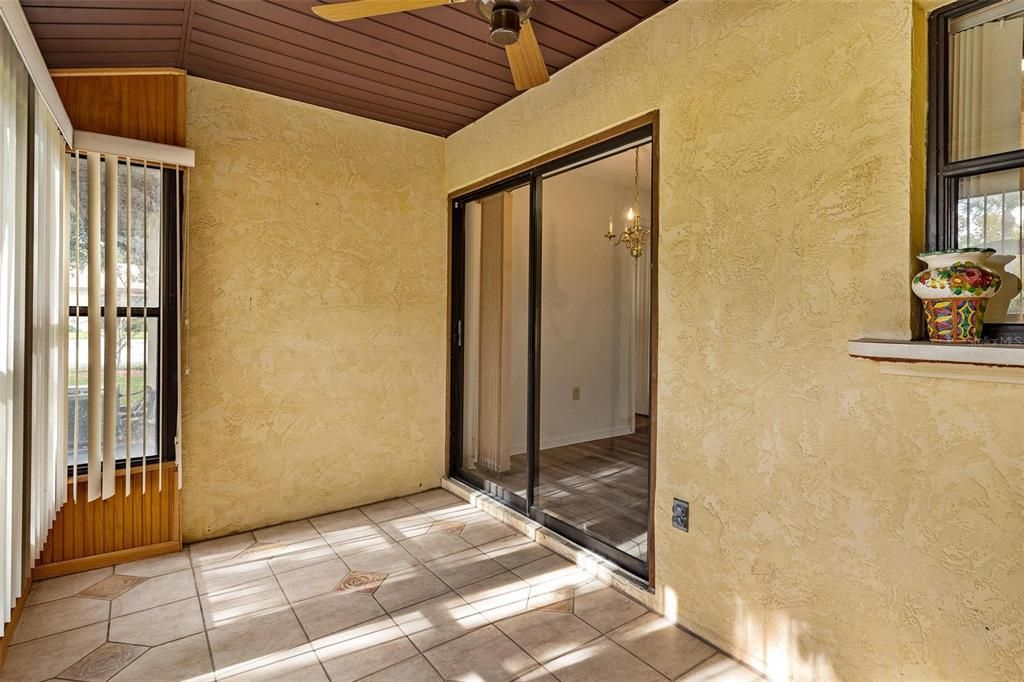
{"x": 140, "y": 104}
{"x": 12, "y": 624}
{"x": 432, "y": 70}
{"x": 87, "y": 535}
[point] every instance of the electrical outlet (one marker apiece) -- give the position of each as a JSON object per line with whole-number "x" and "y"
{"x": 681, "y": 515}
{"x": 575, "y": 392}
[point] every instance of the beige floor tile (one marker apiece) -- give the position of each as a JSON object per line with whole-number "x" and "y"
{"x": 348, "y": 519}
{"x": 461, "y": 513}
{"x": 103, "y": 663}
{"x": 499, "y": 596}
{"x": 407, "y": 527}
{"x": 432, "y": 499}
{"x": 112, "y": 586}
{"x": 336, "y": 611}
{"x": 389, "y": 559}
{"x": 158, "y": 625}
{"x": 438, "y": 620}
{"x": 219, "y": 549}
{"x": 482, "y": 532}
{"x": 44, "y": 658}
{"x": 416, "y": 669}
{"x": 357, "y": 540}
{"x": 310, "y": 581}
{"x": 242, "y": 602}
{"x": 484, "y": 654}
{"x": 302, "y": 668}
{"x": 604, "y": 608}
{"x": 435, "y": 545}
{"x": 408, "y": 587}
{"x": 218, "y": 577}
{"x": 58, "y": 616}
{"x": 258, "y": 640}
{"x": 301, "y": 554}
{"x": 514, "y": 551}
{"x": 182, "y": 659}
{"x": 362, "y": 650}
{"x": 662, "y": 645}
{"x": 157, "y": 591}
{"x": 287, "y": 533}
{"x": 388, "y": 510}
{"x": 65, "y": 586}
{"x": 546, "y": 635}
{"x": 602, "y": 661}
{"x": 154, "y": 566}
{"x": 465, "y": 567}
{"x": 552, "y": 573}
{"x": 537, "y": 675}
{"x": 720, "y": 668}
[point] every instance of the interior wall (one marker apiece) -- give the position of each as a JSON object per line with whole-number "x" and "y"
{"x": 316, "y": 306}
{"x": 844, "y": 524}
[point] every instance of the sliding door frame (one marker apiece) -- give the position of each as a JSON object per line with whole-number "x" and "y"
{"x": 532, "y": 173}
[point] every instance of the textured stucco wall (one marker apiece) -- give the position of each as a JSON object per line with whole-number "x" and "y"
{"x": 317, "y": 311}
{"x": 844, "y": 523}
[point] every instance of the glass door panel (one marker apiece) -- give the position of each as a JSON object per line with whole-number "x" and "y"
{"x": 494, "y": 342}
{"x": 595, "y": 319}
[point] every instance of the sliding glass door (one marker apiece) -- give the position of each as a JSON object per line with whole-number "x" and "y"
{"x": 552, "y": 344}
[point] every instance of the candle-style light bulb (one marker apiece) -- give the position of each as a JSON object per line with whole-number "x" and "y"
{"x": 611, "y": 227}
{"x": 630, "y": 215}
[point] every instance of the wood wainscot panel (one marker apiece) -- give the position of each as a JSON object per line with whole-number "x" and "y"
{"x": 87, "y": 535}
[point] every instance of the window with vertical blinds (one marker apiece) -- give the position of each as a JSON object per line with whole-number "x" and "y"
{"x": 33, "y": 301}
{"x": 122, "y": 331}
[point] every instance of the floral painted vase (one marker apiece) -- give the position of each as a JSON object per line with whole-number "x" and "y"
{"x": 955, "y": 290}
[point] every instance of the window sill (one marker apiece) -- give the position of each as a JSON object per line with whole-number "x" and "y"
{"x": 1001, "y": 363}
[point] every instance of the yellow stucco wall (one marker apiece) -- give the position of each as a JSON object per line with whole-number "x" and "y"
{"x": 316, "y": 304}
{"x": 844, "y": 523}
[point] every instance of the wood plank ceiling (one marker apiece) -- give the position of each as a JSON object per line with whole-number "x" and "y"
{"x": 432, "y": 70}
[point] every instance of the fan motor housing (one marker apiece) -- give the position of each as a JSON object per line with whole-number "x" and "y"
{"x": 505, "y": 18}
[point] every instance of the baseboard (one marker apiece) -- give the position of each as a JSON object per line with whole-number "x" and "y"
{"x": 19, "y": 606}
{"x": 102, "y": 560}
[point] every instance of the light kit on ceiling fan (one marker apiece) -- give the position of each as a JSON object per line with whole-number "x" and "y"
{"x": 508, "y": 21}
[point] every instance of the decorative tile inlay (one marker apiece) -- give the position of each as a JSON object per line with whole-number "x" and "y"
{"x": 112, "y": 587}
{"x": 361, "y": 581}
{"x": 453, "y": 527}
{"x": 103, "y": 663}
{"x": 261, "y": 550}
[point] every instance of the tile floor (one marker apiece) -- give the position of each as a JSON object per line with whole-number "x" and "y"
{"x": 421, "y": 588}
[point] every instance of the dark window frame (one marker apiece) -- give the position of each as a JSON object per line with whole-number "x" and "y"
{"x": 172, "y": 200}
{"x": 944, "y": 174}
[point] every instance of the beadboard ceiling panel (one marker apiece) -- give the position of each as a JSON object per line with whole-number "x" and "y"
{"x": 432, "y": 70}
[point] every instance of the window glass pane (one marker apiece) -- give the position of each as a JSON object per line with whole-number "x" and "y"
{"x": 143, "y": 274}
{"x": 137, "y": 373}
{"x": 985, "y": 86}
{"x": 989, "y": 217}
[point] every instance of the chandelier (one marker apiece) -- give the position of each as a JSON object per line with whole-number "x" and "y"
{"x": 635, "y": 236}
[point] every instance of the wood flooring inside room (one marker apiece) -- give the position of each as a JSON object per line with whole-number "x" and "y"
{"x": 599, "y": 486}
{"x": 426, "y": 587}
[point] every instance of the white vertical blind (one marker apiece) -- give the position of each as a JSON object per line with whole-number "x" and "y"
{"x": 48, "y": 483}
{"x": 95, "y": 407}
{"x": 110, "y": 397}
{"x": 14, "y": 92}
{"x": 32, "y": 461}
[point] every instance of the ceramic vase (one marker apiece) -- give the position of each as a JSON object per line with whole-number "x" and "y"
{"x": 956, "y": 288}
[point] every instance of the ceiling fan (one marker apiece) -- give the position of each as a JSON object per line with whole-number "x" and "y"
{"x": 509, "y": 26}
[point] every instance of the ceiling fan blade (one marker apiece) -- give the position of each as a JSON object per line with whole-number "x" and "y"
{"x": 359, "y": 9}
{"x": 526, "y": 60}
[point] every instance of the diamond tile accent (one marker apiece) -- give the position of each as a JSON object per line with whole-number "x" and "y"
{"x": 453, "y": 527}
{"x": 361, "y": 581}
{"x": 112, "y": 587}
{"x": 103, "y": 663}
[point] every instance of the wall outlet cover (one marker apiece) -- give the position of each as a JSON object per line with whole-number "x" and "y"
{"x": 681, "y": 515}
